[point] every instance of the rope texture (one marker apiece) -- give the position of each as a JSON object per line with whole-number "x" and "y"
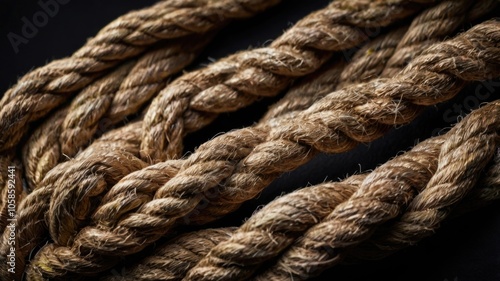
{"x": 272, "y": 229}
{"x": 55, "y": 227}
{"x": 171, "y": 260}
{"x": 47, "y": 87}
{"x": 443, "y": 66}
{"x": 194, "y": 121}
{"x": 240, "y": 79}
{"x": 383, "y": 196}
{"x": 103, "y": 104}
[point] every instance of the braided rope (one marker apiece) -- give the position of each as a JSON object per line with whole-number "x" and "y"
{"x": 240, "y": 79}
{"x": 383, "y": 196}
{"x": 269, "y": 231}
{"x": 70, "y": 225}
{"x": 171, "y": 260}
{"x": 109, "y": 212}
{"x": 41, "y": 90}
{"x": 103, "y": 104}
{"x": 378, "y": 58}
{"x": 472, "y": 64}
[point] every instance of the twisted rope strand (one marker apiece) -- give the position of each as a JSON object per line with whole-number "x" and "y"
{"x": 55, "y": 227}
{"x": 116, "y": 159}
{"x": 325, "y": 76}
{"x": 240, "y": 79}
{"x": 381, "y": 57}
{"x": 171, "y": 260}
{"x": 41, "y": 90}
{"x": 382, "y": 196}
{"x": 476, "y": 58}
{"x": 344, "y": 118}
{"x": 431, "y": 207}
{"x": 269, "y": 232}
{"x": 487, "y": 190}
{"x": 278, "y": 224}
{"x": 439, "y": 24}
{"x": 103, "y": 104}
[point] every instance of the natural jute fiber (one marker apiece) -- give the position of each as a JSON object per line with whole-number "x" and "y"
{"x": 240, "y": 79}
{"x": 442, "y": 169}
{"x": 287, "y": 147}
{"x": 101, "y": 105}
{"x": 31, "y": 236}
{"x": 171, "y": 260}
{"x": 39, "y": 168}
{"x": 383, "y": 56}
{"x": 106, "y": 200}
{"x": 382, "y": 197}
{"x": 272, "y": 229}
{"x": 67, "y": 193}
{"x": 43, "y": 89}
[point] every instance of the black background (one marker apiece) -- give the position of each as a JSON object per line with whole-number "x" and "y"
{"x": 464, "y": 249}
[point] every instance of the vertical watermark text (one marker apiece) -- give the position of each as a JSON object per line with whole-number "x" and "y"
{"x": 11, "y": 218}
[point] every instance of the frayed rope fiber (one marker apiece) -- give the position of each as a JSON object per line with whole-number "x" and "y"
{"x": 277, "y": 229}
{"x": 369, "y": 104}
{"x": 97, "y": 194}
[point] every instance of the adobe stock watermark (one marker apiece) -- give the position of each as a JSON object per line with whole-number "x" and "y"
{"x": 11, "y": 219}
{"x": 482, "y": 92}
{"x": 39, "y": 19}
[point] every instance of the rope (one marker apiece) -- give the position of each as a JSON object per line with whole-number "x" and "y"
{"x": 47, "y": 195}
{"x": 47, "y": 87}
{"x": 382, "y": 196}
{"x": 382, "y": 57}
{"x": 240, "y": 79}
{"x": 171, "y": 260}
{"x": 83, "y": 172}
{"x": 272, "y": 229}
{"x": 132, "y": 232}
{"x": 103, "y": 104}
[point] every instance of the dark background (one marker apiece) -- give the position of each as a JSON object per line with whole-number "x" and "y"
{"x": 464, "y": 249}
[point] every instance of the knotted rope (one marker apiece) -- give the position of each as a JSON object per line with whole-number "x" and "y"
{"x": 291, "y": 144}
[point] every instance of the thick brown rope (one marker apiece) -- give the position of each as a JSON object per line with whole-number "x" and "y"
{"x": 436, "y": 23}
{"x": 383, "y": 195}
{"x": 103, "y": 104}
{"x": 170, "y": 261}
{"x": 381, "y": 57}
{"x": 252, "y": 244}
{"x": 134, "y": 230}
{"x": 357, "y": 113}
{"x": 195, "y": 121}
{"x": 304, "y": 95}
{"x": 487, "y": 191}
{"x": 41, "y": 90}
{"x": 238, "y": 80}
{"x": 278, "y": 224}
{"x": 115, "y": 154}
{"x": 427, "y": 210}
